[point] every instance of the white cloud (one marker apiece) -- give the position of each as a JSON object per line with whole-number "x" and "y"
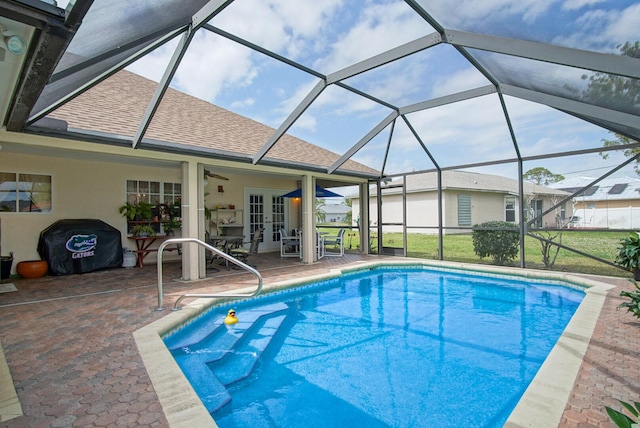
{"x": 380, "y": 27}
{"x": 153, "y": 65}
{"x": 459, "y": 81}
{"x": 470, "y": 12}
{"x": 603, "y": 29}
{"x": 288, "y": 28}
{"x": 579, "y": 4}
{"x": 248, "y": 102}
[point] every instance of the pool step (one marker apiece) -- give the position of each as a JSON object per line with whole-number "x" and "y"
{"x": 201, "y": 332}
{"x": 245, "y": 356}
{"x": 213, "y": 349}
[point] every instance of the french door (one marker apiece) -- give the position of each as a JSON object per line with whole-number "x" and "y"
{"x": 265, "y": 208}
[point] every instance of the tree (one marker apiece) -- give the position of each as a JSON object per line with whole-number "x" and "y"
{"x": 349, "y": 217}
{"x": 321, "y": 216}
{"x": 542, "y": 176}
{"x": 620, "y": 140}
{"x": 621, "y": 93}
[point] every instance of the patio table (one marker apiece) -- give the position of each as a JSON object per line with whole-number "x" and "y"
{"x": 143, "y": 247}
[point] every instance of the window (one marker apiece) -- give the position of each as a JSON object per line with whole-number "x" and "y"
{"x": 464, "y": 210}
{"x": 153, "y": 192}
{"x": 25, "y": 193}
{"x": 172, "y": 193}
{"x": 510, "y": 209}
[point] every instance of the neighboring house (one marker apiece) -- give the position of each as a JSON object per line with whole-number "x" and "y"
{"x": 84, "y": 167}
{"x": 336, "y": 213}
{"x": 467, "y": 199}
{"x": 613, "y": 202}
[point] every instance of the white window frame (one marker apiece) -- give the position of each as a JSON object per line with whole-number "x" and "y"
{"x": 23, "y": 189}
{"x": 510, "y": 200}
{"x": 153, "y": 192}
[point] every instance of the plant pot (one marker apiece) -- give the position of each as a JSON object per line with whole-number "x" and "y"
{"x": 32, "y": 268}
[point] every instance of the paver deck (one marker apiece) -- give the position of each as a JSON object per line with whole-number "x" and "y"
{"x": 69, "y": 345}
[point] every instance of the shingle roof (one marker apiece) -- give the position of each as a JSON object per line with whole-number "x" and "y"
{"x": 474, "y": 182}
{"x": 610, "y": 188}
{"x": 117, "y": 106}
{"x": 336, "y": 209}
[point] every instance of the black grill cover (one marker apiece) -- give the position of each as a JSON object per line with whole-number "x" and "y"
{"x": 79, "y": 246}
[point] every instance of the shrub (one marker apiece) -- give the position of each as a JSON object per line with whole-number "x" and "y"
{"x": 496, "y": 239}
{"x": 634, "y": 305}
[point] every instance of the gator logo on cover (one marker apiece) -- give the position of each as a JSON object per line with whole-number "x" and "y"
{"x": 82, "y": 245}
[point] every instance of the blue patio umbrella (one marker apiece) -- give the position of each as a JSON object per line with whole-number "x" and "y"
{"x": 321, "y": 192}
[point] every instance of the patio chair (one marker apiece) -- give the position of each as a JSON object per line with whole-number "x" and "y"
{"x": 218, "y": 243}
{"x": 336, "y": 241}
{"x": 241, "y": 253}
{"x": 320, "y": 245}
{"x": 289, "y": 245}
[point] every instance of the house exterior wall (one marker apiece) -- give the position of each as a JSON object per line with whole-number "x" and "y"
{"x": 96, "y": 189}
{"x": 422, "y": 211}
{"x": 335, "y": 218}
{"x": 623, "y": 203}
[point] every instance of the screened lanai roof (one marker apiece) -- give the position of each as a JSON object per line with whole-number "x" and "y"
{"x": 398, "y": 86}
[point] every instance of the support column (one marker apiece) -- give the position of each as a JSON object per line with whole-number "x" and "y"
{"x": 191, "y": 194}
{"x": 308, "y": 220}
{"x": 364, "y": 219}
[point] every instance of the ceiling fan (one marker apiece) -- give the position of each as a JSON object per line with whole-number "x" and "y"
{"x": 208, "y": 173}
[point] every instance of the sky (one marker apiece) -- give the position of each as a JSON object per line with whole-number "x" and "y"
{"x": 329, "y": 35}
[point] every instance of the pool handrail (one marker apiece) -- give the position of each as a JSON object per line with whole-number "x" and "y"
{"x": 208, "y": 296}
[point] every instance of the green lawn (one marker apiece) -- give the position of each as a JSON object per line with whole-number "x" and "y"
{"x": 459, "y": 247}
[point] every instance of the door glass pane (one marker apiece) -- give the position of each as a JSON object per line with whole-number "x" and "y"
{"x": 277, "y": 210}
{"x": 256, "y": 213}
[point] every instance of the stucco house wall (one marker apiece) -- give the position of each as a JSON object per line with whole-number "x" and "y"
{"x": 83, "y": 187}
{"x": 486, "y": 205}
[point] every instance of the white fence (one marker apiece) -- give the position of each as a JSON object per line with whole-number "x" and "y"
{"x": 612, "y": 218}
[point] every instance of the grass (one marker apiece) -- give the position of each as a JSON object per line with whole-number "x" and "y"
{"x": 459, "y": 247}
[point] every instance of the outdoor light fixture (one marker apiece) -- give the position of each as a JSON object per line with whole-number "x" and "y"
{"x": 14, "y": 42}
{"x": 220, "y": 189}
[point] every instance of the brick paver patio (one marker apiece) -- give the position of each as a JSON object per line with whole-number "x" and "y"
{"x": 69, "y": 345}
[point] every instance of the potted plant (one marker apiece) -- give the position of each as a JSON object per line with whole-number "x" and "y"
{"x": 629, "y": 254}
{"x": 168, "y": 226}
{"x": 143, "y": 230}
{"x": 139, "y": 211}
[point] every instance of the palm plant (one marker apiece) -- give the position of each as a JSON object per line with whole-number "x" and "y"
{"x": 620, "y": 419}
{"x": 321, "y": 216}
{"x": 629, "y": 254}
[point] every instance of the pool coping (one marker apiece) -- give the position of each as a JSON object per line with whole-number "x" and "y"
{"x": 544, "y": 400}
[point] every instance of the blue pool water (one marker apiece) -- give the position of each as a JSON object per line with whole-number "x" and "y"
{"x": 390, "y": 347}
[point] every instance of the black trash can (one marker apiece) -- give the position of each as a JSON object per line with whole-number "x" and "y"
{"x": 5, "y": 266}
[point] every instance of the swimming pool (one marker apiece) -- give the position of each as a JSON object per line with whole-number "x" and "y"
{"x": 455, "y": 348}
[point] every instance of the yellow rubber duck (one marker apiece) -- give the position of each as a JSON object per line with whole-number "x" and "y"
{"x": 231, "y": 317}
